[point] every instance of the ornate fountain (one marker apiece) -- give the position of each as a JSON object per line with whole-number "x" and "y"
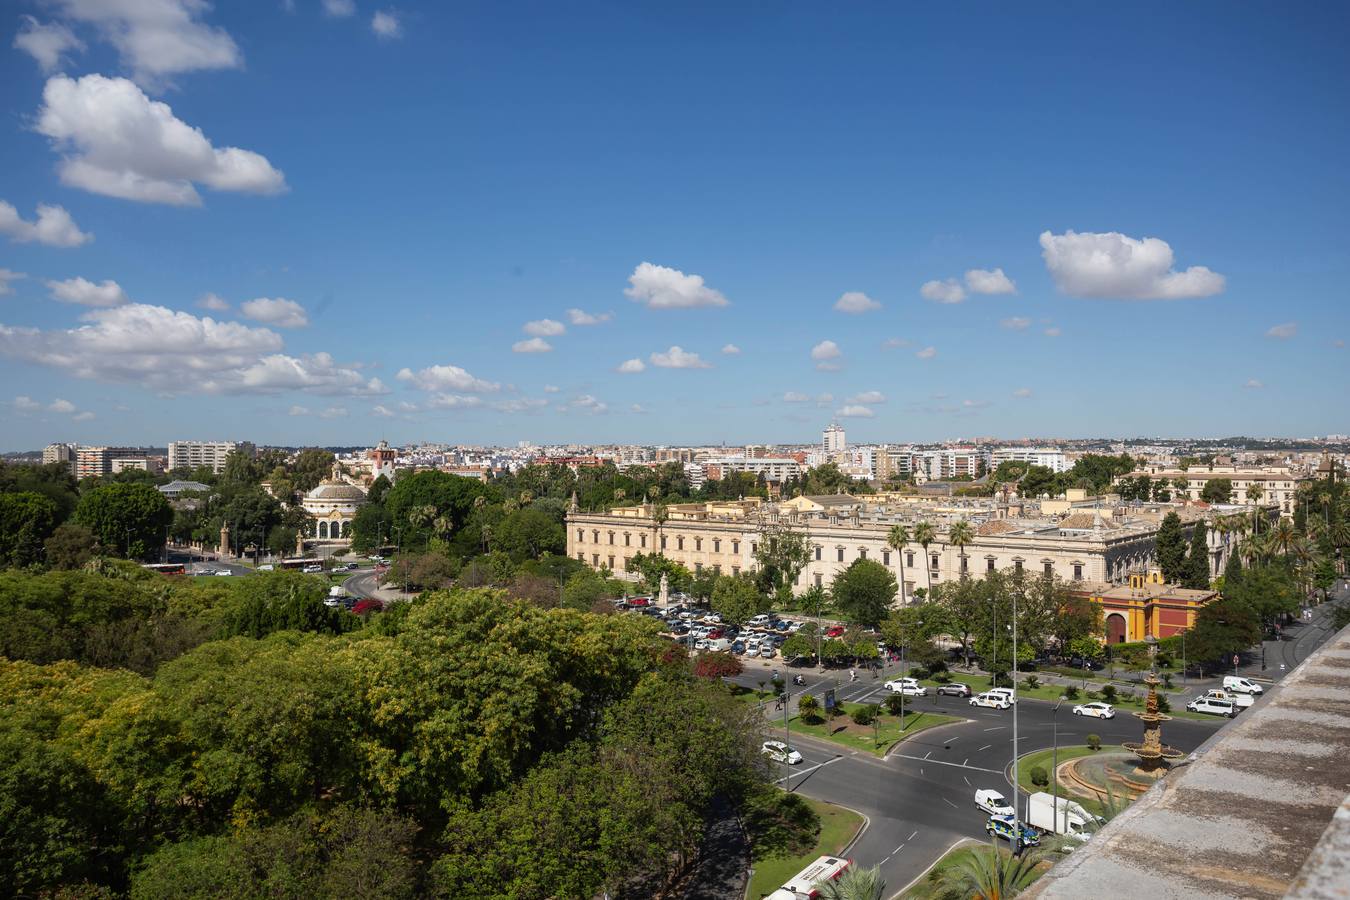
{"x": 1152, "y": 753}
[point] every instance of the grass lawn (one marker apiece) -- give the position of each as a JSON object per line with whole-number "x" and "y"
{"x": 924, "y": 888}
{"x": 857, "y": 737}
{"x": 837, "y": 828}
{"x": 1045, "y": 757}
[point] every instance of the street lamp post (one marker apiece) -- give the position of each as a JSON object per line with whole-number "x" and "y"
{"x": 1183, "y": 658}
{"x": 1017, "y": 822}
{"x": 1054, "y": 765}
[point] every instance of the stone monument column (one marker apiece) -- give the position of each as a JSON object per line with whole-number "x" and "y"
{"x": 225, "y": 539}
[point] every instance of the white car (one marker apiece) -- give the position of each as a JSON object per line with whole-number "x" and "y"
{"x": 1212, "y": 706}
{"x": 993, "y": 802}
{"x": 990, "y": 700}
{"x": 312, "y": 570}
{"x": 907, "y": 686}
{"x": 780, "y": 752}
{"x": 224, "y": 572}
{"x": 1241, "y": 701}
{"x": 794, "y": 627}
{"x": 1008, "y": 693}
{"x": 1096, "y": 710}
{"x": 1239, "y": 685}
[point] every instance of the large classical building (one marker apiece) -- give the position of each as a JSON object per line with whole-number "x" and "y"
{"x": 1095, "y": 546}
{"x": 332, "y": 505}
{"x": 1276, "y": 484}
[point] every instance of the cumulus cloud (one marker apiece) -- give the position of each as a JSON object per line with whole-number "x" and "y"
{"x": 553, "y": 388}
{"x": 868, "y": 398}
{"x": 544, "y": 328}
{"x": 53, "y": 227}
{"x": 25, "y": 404}
{"x": 533, "y": 345}
{"x": 927, "y": 353}
{"x": 638, "y": 408}
{"x": 581, "y": 317}
{"x": 1022, "y": 392}
{"x": 334, "y": 412}
{"x": 298, "y": 411}
{"x": 339, "y": 9}
{"x": 824, "y": 399}
{"x": 381, "y": 411}
{"x": 948, "y": 291}
{"x": 855, "y": 303}
{"x": 176, "y": 352}
{"x": 796, "y": 397}
{"x": 1283, "y": 331}
{"x": 986, "y": 281}
{"x": 156, "y": 39}
{"x": 855, "y": 412}
{"x": 1114, "y": 266}
{"x": 631, "y": 366}
{"x": 213, "y": 302}
{"x": 519, "y": 404}
{"x": 895, "y": 343}
{"x": 86, "y": 293}
{"x": 660, "y": 287}
{"x": 826, "y": 354}
{"x": 277, "y": 311}
{"x": 678, "y": 358}
{"x": 730, "y": 349}
{"x": 61, "y": 406}
{"x": 82, "y": 417}
{"x": 46, "y": 42}
{"x": 1016, "y": 323}
{"x": 1253, "y": 384}
{"x": 116, "y": 141}
{"x": 588, "y": 404}
{"x": 386, "y": 25}
{"x": 6, "y": 276}
{"x": 447, "y": 378}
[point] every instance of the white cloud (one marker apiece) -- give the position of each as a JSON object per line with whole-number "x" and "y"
{"x": 405, "y": 406}
{"x": 553, "y": 388}
{"x": 454, "y": 401}
{"x": 26, "y": 404}
{"x": 299, "y": 411}
{"x": 339, "y": 9}
{"x": 974, "y": 404}
{"x": 1114, "y": 266}
{"x": 895, "y": 343}
{"x": 824, "y": 399}
{"x": 795, "y": 397}
{"x": 660, "y": 287}
{"x": 855, "y": 412}
{"x": 855, "y": 303}
{"x": 638, "y": 408}
{"x": 1053, "y": 331}
{"x": 824, "y": 354}
{"x": 544, "y": 328}
{"x": 868, "y": 398}
{"x": 533, "y": 345}
{"x": 317, "y": 373}
{"x": 520, "y": 404}
{"x": 116, "y": 141}
{"x": 1016, "y": 323}
{"x": 447, "y": 378}
{"x": 82, "y": 417}
{"x": 46, "y": 43}
{"x": 1253, "y": 384}
{"x": 86, "y": 293}
{"x": 213, "y": 302}
{"x": 382, "y": 411}
{"x": 631, "y": 366}
{"x": 949, "y": 291}
{"x": 53, "y": 227}
{"x": 581, "y": 317}
{"x": 588, "y": 404}
{"x": 1283, "y": 331}
{"x": 386, "y": 25}
{"x": 334, "y": 412}
{"x": 1022, "y": 392}
{"x": 61, "y": 406}
{"x": 277, "y": 311}
{"x": 6, "y": 276}
{"x": 678, "y": 358}
{"x": 986, "y": 281}
{"x": 927, "y": 353}
{"x": 731, "y": 350}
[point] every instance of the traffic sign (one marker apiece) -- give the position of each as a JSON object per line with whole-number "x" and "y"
{"x": 1235, "y": 659}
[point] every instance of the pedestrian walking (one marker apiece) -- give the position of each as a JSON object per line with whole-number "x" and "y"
{"x": 852, "y": 674}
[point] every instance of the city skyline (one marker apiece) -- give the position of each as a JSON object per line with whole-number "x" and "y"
{"x": 660, "y": 227}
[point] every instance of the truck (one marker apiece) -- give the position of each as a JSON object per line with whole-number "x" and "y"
{"x": 1072, "y": 820}
{"x": 804, "y": 885}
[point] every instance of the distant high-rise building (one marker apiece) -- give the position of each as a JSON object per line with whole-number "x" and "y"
{"x": 60, "y": 453}
{"x": 832, "y": 440}
{"x": 95, "y": 462}
{"x": 194, "y": 454}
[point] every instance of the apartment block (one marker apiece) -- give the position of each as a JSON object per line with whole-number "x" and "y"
{"x": 194, "y": 454}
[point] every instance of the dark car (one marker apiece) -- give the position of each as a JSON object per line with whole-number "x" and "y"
{"x": 782, "y": 626}
{"x": 738, "y": 647}
{"x": 955, "y": 689}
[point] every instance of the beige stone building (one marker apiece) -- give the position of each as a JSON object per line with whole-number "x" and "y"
{"x": 1080, "y": 547}
{"x": 1279, "y": 484}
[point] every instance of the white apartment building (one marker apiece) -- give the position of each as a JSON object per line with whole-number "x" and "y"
{"x": 1050, "y": 457}
{"x": 60, "y": 453}
{"x": 832, "y": 439}
{"x": 777, "y": 469}
{"x": 95, "y": 462}
{"x": 192, "y": 454}
{"x": 947, "y": 463}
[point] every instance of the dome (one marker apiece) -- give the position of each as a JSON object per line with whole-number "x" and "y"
{"x": 336, "y": 491}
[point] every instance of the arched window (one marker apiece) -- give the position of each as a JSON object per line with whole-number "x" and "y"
{"x": 323, "y": 530}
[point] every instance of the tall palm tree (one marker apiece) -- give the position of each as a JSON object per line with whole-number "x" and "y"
{"x": 854, "y": 884}
{"x": 1254, "y": 493}
{"x": 660, "y": 513}
{"x": 925, "y": 534}
{"x": 959, "y": 536}
{"x": 1283, "y": 537}
{"x": 986, "y": 874}
{"x": 896, "y": 539}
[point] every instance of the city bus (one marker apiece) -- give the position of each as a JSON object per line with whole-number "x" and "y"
{"x": 166, "y": 568}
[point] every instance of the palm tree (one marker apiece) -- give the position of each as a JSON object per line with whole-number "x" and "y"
{"x": 1283, "y": 538}
{"x": 854, "y": 884}
{"x": 959, "y": 536}
{"x": 896, "y": 539}
{"x": 986, "y": 874}
{"x": 1254, "y": 493}
{"x": 1183, "y": 487}
{"x": 925, "y": 534}
{"x": 660, "y": 513}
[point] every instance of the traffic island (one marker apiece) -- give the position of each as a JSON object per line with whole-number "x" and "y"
{"x": 838, "y": 828}
{"x": 1096, "y": 779}
{"x": 877, "y": 737}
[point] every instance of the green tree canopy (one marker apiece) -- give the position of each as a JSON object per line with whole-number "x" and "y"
{"x": 131, "y": 518}
{"x": 1171, "y": 549}
{"x": 27, "y": 520}
{"x": 1217, "y": 490}
{"x": 864, "y": 591}
{"x": 737, "y": 598}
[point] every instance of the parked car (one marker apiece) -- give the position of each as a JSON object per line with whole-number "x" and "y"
{"x": 1097, "y": 710}
{"x": 639, "y": 601}
{"x": 1240, "y": 685}
{"x": 955, "y": 689}
{"x": 992, "y": 802}
{"x": 990, "y": 700}
{"x": 907, "y": 686}
{"x": 1005, "y": 827}
{"x": 780, "y": 752}
{"x": 834, "y": 631}
{"x": 767, "y": 651}
{"x": 1212, "y": 706}
{"x": 312, "y": 569}
{"x": 794, "y": 627}
{"x": 782, "y": 626}
{"x": 224, "y": 572}
{"x": 738, "y": 647}
{"x": 267, "y": 567}
{"x": 758, "y": 621}
{"x": 1240, "y": 701}
{"x": 701, "y": 644}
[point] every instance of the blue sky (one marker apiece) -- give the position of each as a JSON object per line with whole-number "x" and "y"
{"x": 421, "y": 191}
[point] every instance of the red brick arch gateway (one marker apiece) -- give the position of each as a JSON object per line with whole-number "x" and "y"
{"x": 1115, "y": 628}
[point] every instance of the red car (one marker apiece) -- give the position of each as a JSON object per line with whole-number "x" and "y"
{"x": 834, "y": 631}
{"x": 639, "y": 601}
{"x": 715, "y": 634}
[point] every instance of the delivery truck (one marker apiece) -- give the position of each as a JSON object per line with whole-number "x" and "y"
{"x": 1072, "y": 820}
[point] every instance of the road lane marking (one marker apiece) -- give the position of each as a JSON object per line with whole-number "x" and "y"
{"x": 996, "y": 728}
{"x": 984, "y": 748}
{"x": 967, "y": 780}
{"x": 949, "y": 803}
{"x": 912, "y": 837}
{"x": 928, "y": 754}
{"x": 966, "y": 761}
{"x": 805, "y": 772}
{"x": 939, "y": 762}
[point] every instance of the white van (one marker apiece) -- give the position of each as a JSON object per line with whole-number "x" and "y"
{"x": 1006, "y": 693}
{"x": 1212, "y": 706}
{"x": 719, "y": 644}
{"x": 1241, "y": 685}
{"x": 758, "y": 621}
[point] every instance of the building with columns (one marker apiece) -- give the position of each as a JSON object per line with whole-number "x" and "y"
{"x": 332, "y": 507}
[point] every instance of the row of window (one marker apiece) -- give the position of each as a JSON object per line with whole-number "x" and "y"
{"x": 609, "y": 561}
{"x": 642, "y": 541}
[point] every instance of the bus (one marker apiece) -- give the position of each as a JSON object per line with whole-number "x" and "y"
{"x": 803, "y": 885}
{"x": 166, "y": 568}
{"x": 300, "y": 563}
